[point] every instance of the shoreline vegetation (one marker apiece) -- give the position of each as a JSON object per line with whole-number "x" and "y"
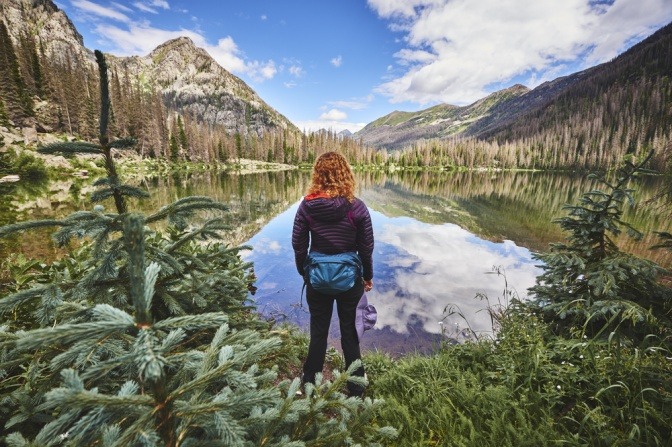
{"x": 143, "y": 335}
{"x": 17, "y": 153}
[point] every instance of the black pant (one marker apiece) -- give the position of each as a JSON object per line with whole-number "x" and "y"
{"x": 321, "y": 308}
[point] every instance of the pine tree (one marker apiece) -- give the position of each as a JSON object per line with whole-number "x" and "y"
{"x": 4, "y": 121}
{"x": 12, "y": 84}
{"x": 145, "y": 338}
{"x": 589, "y": 286}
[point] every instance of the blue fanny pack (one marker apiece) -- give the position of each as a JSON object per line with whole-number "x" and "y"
{"x": 332, "y": 274}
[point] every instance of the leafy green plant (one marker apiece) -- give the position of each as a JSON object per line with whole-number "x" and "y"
{"x": 23, "y": 164}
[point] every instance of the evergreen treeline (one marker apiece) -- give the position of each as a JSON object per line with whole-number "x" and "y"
{"x": 620, "y": 108}
{"x": 616, "y": 109}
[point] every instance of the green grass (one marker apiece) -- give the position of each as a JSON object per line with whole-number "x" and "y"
{"x": 527, "y": 388}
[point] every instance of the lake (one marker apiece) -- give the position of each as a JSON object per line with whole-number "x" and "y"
{"x": 447, "y": 245}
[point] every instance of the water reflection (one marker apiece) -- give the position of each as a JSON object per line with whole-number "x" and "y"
{"x": 438, "y": 236}
{"x": 419, "y": 270}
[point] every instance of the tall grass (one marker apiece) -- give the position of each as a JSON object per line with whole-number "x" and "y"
{"x": 527, "y": 388}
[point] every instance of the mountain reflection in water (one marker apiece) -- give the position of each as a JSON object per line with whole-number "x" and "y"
{"x": 438, "y": 237}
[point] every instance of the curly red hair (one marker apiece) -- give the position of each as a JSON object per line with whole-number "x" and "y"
{"x": 332, "y": 176}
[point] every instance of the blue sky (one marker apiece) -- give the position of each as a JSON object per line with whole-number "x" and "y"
{"x": 340, "y": 64}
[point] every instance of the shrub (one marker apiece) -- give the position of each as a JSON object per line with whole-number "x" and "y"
{"x": 588, "y": 285}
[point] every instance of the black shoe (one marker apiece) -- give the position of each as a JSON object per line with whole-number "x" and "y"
{"x": 307, "y": 378}
{"x": 356, "y": 391}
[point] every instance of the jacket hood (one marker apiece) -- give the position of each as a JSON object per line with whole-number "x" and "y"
{"x": 327, "y": 209}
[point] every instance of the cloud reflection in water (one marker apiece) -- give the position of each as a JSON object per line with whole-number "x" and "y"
{"x": 423, "y": 268}
{"x": 419, "y": 270}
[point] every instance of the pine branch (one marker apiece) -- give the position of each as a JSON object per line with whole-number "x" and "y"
{"x": 65, "y": 334}
{"x": 184, "y": 207}
{"x": 30, "y": 225}
{"x": 261, "y": 348}
{"x": 123, "y": 190}
{"x": 134, "y": 241}
{"x": 209, "y": 229}
{"x": 149, "y": 356}
{"x": 10, "y": 302}
{"x": 71, "y": 148}
{"x": 104, "y": 98}
{"x": 123, "y": 143}
{"x": 193, "y": 322}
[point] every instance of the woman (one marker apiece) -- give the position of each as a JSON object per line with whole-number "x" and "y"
{"x": 330, "y": 220}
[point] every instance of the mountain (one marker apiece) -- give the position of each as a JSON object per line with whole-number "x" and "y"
{"x": 176, "y": 101}
{"x": 631, "y": 91}
{"x": 593, "y": 116}
{"x": 48, "y": 25}
{"x": 399, "y": 129}
{"x": 191, "y": 81}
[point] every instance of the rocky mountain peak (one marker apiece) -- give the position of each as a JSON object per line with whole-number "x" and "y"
{"x": 191, "y": 80}
{"x": 51, "y": 27}
{"x": 182, "y": 45}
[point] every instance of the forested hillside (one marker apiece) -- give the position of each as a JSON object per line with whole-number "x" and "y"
{"x": 586, "y": 120}
{"x": 177, "y": 101}
{"x": 621, "y": 107}
{"x": 181, "y": 105}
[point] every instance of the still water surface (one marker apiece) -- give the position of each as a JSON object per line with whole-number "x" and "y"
{"x": 440, "y": 238}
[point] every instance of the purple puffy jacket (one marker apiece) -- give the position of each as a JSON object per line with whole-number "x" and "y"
{"x": 333, "y": 225}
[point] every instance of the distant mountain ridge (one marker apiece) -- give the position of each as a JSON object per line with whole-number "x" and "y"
{"x": 561, "y": 106}
{"x": 398, "y": 129}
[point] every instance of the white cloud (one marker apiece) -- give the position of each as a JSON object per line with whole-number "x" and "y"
{"x": 121, "y": 7}
{"x": 160, "y": 4}
{"x": 334, "y": 126}
{"x": 437, "y": 266}
{"x": 146, "y": 8}
{"x": 268, "y": 246}
{"x": 296, "y": 70}
{"x": 140, "y": 39}
{"x": 151, "y": 6}
{"x": 263, "y": 17}
{"x": 334, "y": 115}
{"x": 354, "y": 103}
{"x": 268, "y": 70}
{"x": 455, "y": 49}
{"x": 337, "y": 61}
{"x": 86, "y": 6}
{"x": 260, "y": 71}
{"x": 226, "y": 53}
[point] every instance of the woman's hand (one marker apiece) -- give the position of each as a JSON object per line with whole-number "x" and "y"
{"x": 368, "y": 285}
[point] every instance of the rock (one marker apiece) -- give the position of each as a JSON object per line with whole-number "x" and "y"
{"x": 10, "y": 178}
{"x": 29, "y": 135}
